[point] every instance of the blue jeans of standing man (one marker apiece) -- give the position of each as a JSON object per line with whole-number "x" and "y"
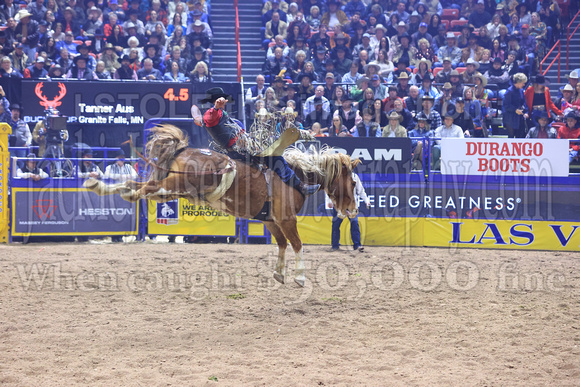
{"x": 354, "y": 231}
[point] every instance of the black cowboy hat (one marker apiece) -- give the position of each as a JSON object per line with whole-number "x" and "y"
{"x": 149, "y": 45}
{"x": 213, "y": 94}
{"x": 79, "y": 57}
{"x": 125, "y": 57}
{"x": 540, "y": 80}
{"x": 302, "y": 75}
{"x": 543, "y": 114}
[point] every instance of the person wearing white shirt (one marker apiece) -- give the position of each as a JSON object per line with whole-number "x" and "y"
{"x": 447, "y": 130}
{"x": 87, "y": 168}
{"x": 31, "y": 170}
{"x": 309, "y": 103}
{"x": 119, "y": 170}
{"x": 360, "y": 196}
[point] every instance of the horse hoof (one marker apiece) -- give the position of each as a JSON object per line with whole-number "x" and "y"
{"x": 279, "y": 278}
{"x": 300, "y": 282}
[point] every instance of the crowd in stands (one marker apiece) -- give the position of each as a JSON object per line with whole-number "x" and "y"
{"x": 397, "y": 68}
{"x": 96, "y": 39}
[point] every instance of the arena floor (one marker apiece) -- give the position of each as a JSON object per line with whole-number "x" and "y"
{"x": 144, "y": 314}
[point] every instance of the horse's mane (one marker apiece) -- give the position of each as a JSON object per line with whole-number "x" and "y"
{"x": 165, "y": 142}
{"x": 322, "y": 163}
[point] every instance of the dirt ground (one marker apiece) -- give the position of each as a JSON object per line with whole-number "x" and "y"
{"x": 144, "y": 314}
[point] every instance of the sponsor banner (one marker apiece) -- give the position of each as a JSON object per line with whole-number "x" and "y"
{"x": 180, "y": 217}
{"x": 469, "y": 201}
{"x": 430, "y": 232}
{"x": 71, "y": 211}
{"x": 508, "y": 157}
{"x": 5, "y": 130}
{"x": 379, "y": 156}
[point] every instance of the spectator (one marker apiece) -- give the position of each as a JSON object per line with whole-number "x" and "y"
{"x": 101, "y": 72}
{"x": 314, "y": 18}
{"x": 523, "y": 14}
{"x": 292, "y": 12}
{"x": 422, "y": 34}
{"x": 334, "y": 15}
{"x": 354, "y": 6}
{"x": 367, "y": 127}
{"x": 80, "y": 71}
{"x": 279, "y": 43}
{"x": 83, "y": 51}
{"x": 499, "y": 76}
{"x": 515, "y": 107}
{"x": 87, "y": 169}
{"x": 405, "y": 52}
{"x": 564, "y": 103}
{"x": 394, "y": 128}
{"x": 413, "y": 100}
{"x": 496, "y": 51}
{"x": 120, "y": 170}
{"x": 303, "y": 26}
{"x": 571, "y": 131}
{"x": 444, "y": 75}
{"x": 414, "y": 22}
{"x": 450, "y": 51}
{"x": 445, "y": 102}
{"x": 26, "y": 32}
{"x": 110, "y": 58}
{"x": 528, "y": 45}
{"x": 433, "y": 116}
{"x": 56, "y": 72}
{"x": 31, "y": 170}
{"x": 379, "y": 89}
{"x": 319, "y": 115}
{"x": 337, "y": 129}
{"x": 133, "y": 22}
{"x": 37, "y": 70}
{"x": 275, "y": 27}
{"x": 125, "y": 71}
{"x": 151, "y": 52}
{"x": 269, "y": 15}
{"x": 543, "y": 129}
{"x": 480, "y": 16}
{"x": 538, "y": 98}
{"x": 9, "y": 9}
{"x": 346, "y": 112}
{"x": 68, "y": 43}
{"x": 93, "y": 22}
{"x": 421, "y": 130}
{"x": 20, "y": 131}
{"x": 464, "y": 120}
{"x": 148, "y": 72}
{"x": 427, "y": 87}
{"x": 271, "y": 103}
{"x": 291, "y": 99}
{"x": 70, "y": 21}
{"x": 161, "y": 14}
{"x": 353, "y": 75}
{"x": 364, "y": 45}
{"x": 376, "y": 12}
{"x": 423, "y": 70}
{"x": 309, "y": 103}
{"x": 113, "y": 9}
{"x": 273, "y": 67}
{"x": 6, "y": 69}
{"x": 378, "y": 113}
{"x": 447, "y": 130}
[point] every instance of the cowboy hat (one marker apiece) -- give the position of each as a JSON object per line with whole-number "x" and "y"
{"x": 568, "y": 87}
{"x": 375, "y": 65}
{"x": 543, "y": 114}
{"x": 403, "y": 75}
{"x": 214, "y": 94}
{"x": 97, "y": 10}
{"x": 425, "y": 60}
{"x": 361, "y": 80}
{"x": 305, "y": 75}
{"x": 22, "y": 14}
{"x": 79, "y": 57}
{"x": 125, "y": 57}
{"x": 263, "y": 112}
{"x": 454, "y": 73}
{"x": 447, "y": 86}
{"x": 395, "y": 116}
{"x": 470, "y": 61}
{"x": 427, "y": 97}
{"x": 289, "y": 111}
{"x": 540, "y": 80}
{"x": 481, "y": 78}
{"x": 572, "y": 75}
{"x": 380, "y": 27}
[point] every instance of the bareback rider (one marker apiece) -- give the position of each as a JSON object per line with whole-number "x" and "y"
{"x": 227, "y": 133}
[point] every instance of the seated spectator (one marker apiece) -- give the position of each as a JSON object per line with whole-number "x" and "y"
{"x": 433, "y": 116}
{"x": 422, "y": 34}
{"x": 473, "y": 51}
{"x": 385, "y": 65}
{"x": 413, "y": 100}
{"x": 466, "y": 32}
{"x": 493, "y": 26}
{"x": 353, "y": 75}
{"x": 278, "y": 43}
{"x": 363, "y": 60}
{"x": 101, "y": 72}
{"x": 298, "y": 65}
{"x": 425, "y": 51}
{"x": 571, "y": 131}
{"x": 542, "y": 129}
{"x": 394, "y": 128}
{"x": 423, "y": 70}
{"x": 125, "y": 71}
{"x": 148, "y": 72}
{"x": 444, "y": 75}
{"x": 427, "y": 87}
{"x": 31, "y": 170}
{"x": 176, "y": 22}
{"x": 93, "y": 22}
{"x": 83, "y": 51}
{"x": 484, "y": 62}
{"x": 471, "y": 70}
{"x": 161, "y": 14}
{"x": 114, "y": 9}
{"x": 464, "y": 120}
{"x": 447, "y": 130}
{"x": 6, "y": 69}
{"x": 380, "y": 33}
{"x": 401, "y": 67}
{"x": 405, "y": 52}
{"x": 376, "y": 11}
{"x": 291, "y": 98}
{"x": 389, "y": 101}
{"x": 303, "y": 26}
{"x": 378, "y": 87}
{"x": 299, "y": 45}
{"x": 440, "y": 39}
{"x": 565, "y": 102}
{"x": 56, "y": 72}
{"x": 378, "y": 113}
{"x": 334, "y": 15}
{"x": 362, "y": 84}
{"x": 176, "y": 36}
{"x": 68, "y": 44}
{"x": 151, "y": 52}
{"x": 117, "y": 39}
{"x": 309, "y": 103}
{"x": 314, "y": 18}
{"x": 523, "y": 13}
{"x": 445, "y": 102}
{"x": 269, "y": 15}
{"x": 70, "y": 22}
{"x": 98, "y": 42}
{"x": 271, "y": 103}
{"x": 343, "y": 64}
{"x": 511, "y": 65}
{"x": 80, "y": 71}
{"x": 434, "y": 24}
{"x": 294, "y": 33}
{"x": 292, "y": 12}
{"x": 134, "y": 56}
{"x": 483, "y": 39}
{"x": 278, "y": 86}
{"x": 133, "y": 22}
{"x": 321, "y": 38}
{"x": 475, "y": 109}
{"x": 176, "y": 57}
{"x": 271, "y": 68}
{"x": 414, "y": 22}
{"x": 421, "y": 130}
{"x": 305, "y": 90}
{"x": 199, "y": 55}
{"x": 480, "y": 17}
{"x": 499, "y": 76}
{"x": 348, "y": 115}
{"x": 363, "y": 45}
{"x": 337, "y": 129}
{"x": 496, "y": 51}
{"x": 87, "y": 169}
{"x": 110, "y": 58}
{"x": 275, "y": 27}
{"x": 120, "y": 170}
{"x": 367, "y": 127}
{"x": 402, "y": 28}
{"x": 319, "y": 115}
{"x": 132, "y": 31}
{"x": 37, "y": 70}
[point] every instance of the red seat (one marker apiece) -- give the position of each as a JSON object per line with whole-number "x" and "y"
{"x": 450, "y": 14}
{"x": 461, "y": 69}
{"x": 456, "y": 24}
{"x": 446, "y": 24}
{"x": 436, "y": 70}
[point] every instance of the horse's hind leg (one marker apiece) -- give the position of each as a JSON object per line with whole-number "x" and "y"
{"x": 291, "y": 231}
{"x": 280, "y": 271}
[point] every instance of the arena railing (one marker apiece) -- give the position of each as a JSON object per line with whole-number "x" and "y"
{"x": 557, "y": 57}
{"x": 569, "y": 37}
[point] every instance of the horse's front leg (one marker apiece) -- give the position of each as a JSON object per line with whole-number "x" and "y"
{"x": 291, "y": 231}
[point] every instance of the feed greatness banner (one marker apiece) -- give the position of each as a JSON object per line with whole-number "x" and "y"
{"x": 507, "y": 157}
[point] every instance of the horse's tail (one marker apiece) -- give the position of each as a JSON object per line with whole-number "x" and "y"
{"x": 165, "y": 142}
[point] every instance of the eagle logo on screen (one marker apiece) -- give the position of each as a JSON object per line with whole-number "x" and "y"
{"x": 54, "y": 102}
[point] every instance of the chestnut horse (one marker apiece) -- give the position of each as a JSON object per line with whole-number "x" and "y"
{"x": 238, "y": 188}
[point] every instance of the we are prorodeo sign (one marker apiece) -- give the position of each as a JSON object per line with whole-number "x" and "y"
{"x": 509, "y": 157}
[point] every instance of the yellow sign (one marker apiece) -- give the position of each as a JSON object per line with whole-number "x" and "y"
{"x": 180, "y": 217}
{"x": 5, "y": 131}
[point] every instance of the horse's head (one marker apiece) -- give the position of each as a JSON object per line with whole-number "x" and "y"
{"x": 341, "y": 189}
